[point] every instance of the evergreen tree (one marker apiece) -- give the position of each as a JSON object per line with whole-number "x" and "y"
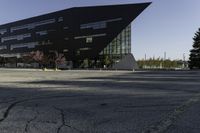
{"x": 195, "y": 52}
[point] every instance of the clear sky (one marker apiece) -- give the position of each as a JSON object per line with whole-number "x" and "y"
{"x": 166, "y": 26}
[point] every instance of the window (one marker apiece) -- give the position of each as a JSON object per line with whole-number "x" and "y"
{"x": 44, "y": 22}
{"x": 78, "y": 52}
{"x": 42, "y": 33}
{"x": 27, "y": 26}
{"x": 47, "y": 42}
{"x": 32, "y": 25}
{"x": 17, "y": 37}
{"x": 3, "y": 31}
{"x": 89, "y": 40}
{"x": 24, "y": 45}
{"x": 60, "y": 19}
{"x": 65, "y": 50}
{"x": 98, "y": 25}
{"x": 65, "y": 28}
{"x": 94, "y": 26}
{"x": 66, "y": 38}
{"x": 3, "y": 47}
{"x": 90, "y": 36}
{"x": 84, "y": 49}
{"x": 101, "y": 53}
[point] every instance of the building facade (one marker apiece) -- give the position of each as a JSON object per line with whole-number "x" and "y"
{"x": 81, "y": 37}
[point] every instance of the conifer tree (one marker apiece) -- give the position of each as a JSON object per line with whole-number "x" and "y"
{"x": 195, "y": 52}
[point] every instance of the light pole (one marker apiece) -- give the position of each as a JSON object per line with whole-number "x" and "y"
{"x": 183, "y": 60}
{"x": 145, "y": 58}
{"x": 165, "y": 55}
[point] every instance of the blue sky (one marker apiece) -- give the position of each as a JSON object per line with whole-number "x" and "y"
{"x": 166, "y": 26}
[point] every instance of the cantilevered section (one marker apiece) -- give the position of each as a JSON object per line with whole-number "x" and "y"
{"x": 82, "y": 34}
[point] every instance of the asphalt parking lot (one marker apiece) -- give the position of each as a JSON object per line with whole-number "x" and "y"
{"x": 34, "y": 101}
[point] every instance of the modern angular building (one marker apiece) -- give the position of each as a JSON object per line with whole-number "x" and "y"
{"x": 93, "y": 37}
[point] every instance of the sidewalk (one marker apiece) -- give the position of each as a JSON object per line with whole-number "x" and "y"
{"x": 20, "y": 69}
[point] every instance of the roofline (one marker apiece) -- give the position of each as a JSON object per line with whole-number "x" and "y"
{"x": 147, "y": 3}
{"x": 73, "y": 8}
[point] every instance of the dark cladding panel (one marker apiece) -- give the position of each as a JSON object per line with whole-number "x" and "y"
{"x": 81, "y": 31}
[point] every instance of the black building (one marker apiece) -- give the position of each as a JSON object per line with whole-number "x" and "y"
{"x": 85, "y": 36}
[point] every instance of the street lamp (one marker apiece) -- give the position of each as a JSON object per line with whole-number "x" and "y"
{"x": 183, "y": 60}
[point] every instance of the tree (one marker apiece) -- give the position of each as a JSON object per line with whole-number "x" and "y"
{"x": 39, "y": 57}
{"x": 158, "y": 63}
{"x": 59, "y": 59}
{"x": 46, "y": 59}
{"x": 195, "y": 52}
{"x": 107, "y": 61}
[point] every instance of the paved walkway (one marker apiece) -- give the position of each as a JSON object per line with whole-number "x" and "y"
{"x": 99, "y": 102}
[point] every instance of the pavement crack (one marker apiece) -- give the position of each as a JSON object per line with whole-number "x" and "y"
{"x": 63, "y": 123}
{"x": 31, "y": 120}
{"x": 5, "y": 115}
{"x": 28, "y": 122}
{"x": 163, "y": 125}
{"x": 7, "y": 101}
{"x": 103, "y": 122}
{"x": 62, "y": 119}
{"x": 12, "y": 105}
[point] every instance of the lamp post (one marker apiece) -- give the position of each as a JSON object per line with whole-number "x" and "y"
{"x": 183, "y": 60}
{"x": 145, "y": 58}
{"x": 165, "y": 55}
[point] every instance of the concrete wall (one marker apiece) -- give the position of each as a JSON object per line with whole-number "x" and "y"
{"x": 127, "y": 62}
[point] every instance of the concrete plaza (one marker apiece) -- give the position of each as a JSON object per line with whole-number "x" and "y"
{"x": 34, "y": 101}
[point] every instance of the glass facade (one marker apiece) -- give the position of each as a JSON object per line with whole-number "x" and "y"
{"x": 89, "y": 37}
{"x": 121, "y": 45}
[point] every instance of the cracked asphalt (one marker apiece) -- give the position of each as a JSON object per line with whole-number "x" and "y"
{"x": 34, "y": 101}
